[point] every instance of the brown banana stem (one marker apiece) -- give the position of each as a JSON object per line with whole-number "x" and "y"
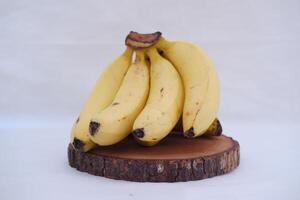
{"x": 137, "y": 40}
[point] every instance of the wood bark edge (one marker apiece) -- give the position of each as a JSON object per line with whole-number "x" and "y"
{"x": 156, "y": 170}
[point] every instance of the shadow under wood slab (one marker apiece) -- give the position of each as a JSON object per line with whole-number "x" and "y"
{"x": 174, "y": 159}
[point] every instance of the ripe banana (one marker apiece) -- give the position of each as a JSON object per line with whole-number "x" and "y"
{"x": 200, "y": 84}
{"x": 102, "y": 95}
{"x": 164, "y": 104}
{"x": 115, "y": 122}
{"x": 210, "y": 106}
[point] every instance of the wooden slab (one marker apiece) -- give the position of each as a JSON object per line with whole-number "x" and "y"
{"x": 174, "y": 159}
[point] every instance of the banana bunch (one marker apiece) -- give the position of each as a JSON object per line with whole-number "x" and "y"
{"x": 169, "y": 86}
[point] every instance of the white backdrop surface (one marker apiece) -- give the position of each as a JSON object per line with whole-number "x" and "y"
{"x": 51, "y": 53}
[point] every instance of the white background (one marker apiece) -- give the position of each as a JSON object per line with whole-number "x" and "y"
{"x": 51, "y": 53}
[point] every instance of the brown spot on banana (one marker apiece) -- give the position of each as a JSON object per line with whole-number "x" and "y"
{"x": 93, "y": 127}
{"x": 161, "y": 52}
{"x": 161, "y": 92}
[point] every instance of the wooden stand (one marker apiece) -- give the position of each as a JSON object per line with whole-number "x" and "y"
{"x": 174, "y": 159}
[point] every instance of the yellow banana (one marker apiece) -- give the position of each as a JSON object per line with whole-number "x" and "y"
{"x": 201, "y": 94}
{"x": 101, "y": 96}
{"x": 210, "y": 106}
{"x": 115, "y": 122}
{"x": 164, "y": 104}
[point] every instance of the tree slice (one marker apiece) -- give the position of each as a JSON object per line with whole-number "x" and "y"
{"x": 174, "y": 159}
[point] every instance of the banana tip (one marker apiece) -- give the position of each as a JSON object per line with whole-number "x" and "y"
{"x": 78, "y": 144}
{"x": 219, "y": 128}
{"x": 190, "y": 133}
{"x": 139, "y": 133}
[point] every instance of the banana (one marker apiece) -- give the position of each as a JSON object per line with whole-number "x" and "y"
{"x": 101, "y": 96}
{"x": 164, "y": 104}
{"x": 115, "y": 122}
{"x": 210, "y": 106}
{"x": 200, "y": 82}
